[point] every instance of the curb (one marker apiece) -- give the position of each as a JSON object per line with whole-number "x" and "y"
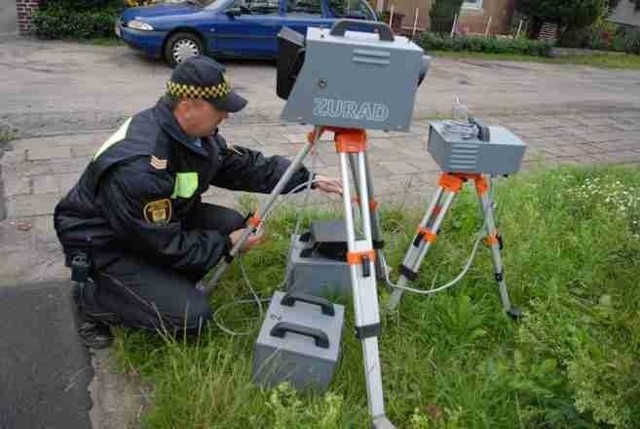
{"x": 118, "y": 399}
{"x": 6, "y": 135}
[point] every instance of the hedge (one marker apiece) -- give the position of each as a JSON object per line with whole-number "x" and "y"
{"x": 60, "y": 21}
{"x": 492, "y": 45}
{"x": 605, "y": 39}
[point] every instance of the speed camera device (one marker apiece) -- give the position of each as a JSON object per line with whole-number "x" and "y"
{"x": 473, "y": 147}
{"x": 357, "y": 74}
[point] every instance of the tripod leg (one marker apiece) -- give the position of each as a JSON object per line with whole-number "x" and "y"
{"x": 426, "y": 234}
{"x": 254, "y": 222}
{"x": 353, "y": 165}
{"x": 376, "y": 230}
{"x": 495, "y": 242}
{"x": 361, "y": 258}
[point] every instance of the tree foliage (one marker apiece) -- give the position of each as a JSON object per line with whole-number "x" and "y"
{"x": 443, "y": 13}
{"x": 571, "y": 14}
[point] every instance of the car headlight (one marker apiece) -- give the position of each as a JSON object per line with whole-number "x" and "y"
{"x": 139, "y": 25}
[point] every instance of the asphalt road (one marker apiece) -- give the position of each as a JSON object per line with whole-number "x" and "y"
{"x": 54, "y": 86}
{"x": 44, "y": 370}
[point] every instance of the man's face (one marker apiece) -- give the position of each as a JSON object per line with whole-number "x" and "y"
{"x": 199, "y": 118}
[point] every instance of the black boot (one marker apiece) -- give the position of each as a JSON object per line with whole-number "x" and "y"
{"x": 93, "y": 333}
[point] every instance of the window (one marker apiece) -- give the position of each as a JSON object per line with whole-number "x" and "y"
{"x": 472, "y": 4}
{"x": 306, "y": 7}
{"x": 350, "y": 9}
{"x": 258, "y": 7}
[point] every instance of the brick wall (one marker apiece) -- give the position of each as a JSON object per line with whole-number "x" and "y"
{"x": 25, "y": 9}
{"x": 471, "y": 20}
{"x": 476, "y": 20}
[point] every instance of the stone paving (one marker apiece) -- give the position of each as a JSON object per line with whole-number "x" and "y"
{"x": 37, "y": 172}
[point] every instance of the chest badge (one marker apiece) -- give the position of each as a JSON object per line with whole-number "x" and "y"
{"x": 158, "y": 212}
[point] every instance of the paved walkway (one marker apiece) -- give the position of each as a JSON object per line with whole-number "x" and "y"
{"x": 38, "y": 171}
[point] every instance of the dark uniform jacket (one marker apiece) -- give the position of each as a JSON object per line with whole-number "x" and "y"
{"x": 144, "y": 183}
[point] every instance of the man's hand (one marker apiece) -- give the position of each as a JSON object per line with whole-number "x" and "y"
{"x": 253, "y": 240}
{"x": 330, "y": 185}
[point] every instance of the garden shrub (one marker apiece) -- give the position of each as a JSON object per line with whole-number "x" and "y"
{"x": 491, "y": 45}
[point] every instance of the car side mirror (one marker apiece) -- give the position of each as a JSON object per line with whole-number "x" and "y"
{"x": 233, "y": 11}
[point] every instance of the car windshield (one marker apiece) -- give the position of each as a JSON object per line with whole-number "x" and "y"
{"x": 214, "y": 4}
{"x": 350, "y": 9}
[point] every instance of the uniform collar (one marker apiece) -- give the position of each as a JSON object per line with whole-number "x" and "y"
{"x": 170, "y": 125}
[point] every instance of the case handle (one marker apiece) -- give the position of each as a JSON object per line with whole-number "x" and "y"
{"x": 320, "y": 337}
{"x": 341, "y": 25}
{"x": 290, "y": 299}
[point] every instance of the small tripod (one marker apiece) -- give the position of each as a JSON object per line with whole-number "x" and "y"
{"x": 363, "y": 257}
{"x": 450, "y": 184}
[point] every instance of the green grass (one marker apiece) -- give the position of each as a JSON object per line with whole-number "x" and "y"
{"x": 454, "y": 360}
{"x": 6, "y": 135}
{"x": 614, "y": 61}
{"x": 103, "y": 41}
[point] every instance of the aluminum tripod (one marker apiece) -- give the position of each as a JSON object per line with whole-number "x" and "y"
{"x": 450, "y": 184}
{"x": 351, "y": 145}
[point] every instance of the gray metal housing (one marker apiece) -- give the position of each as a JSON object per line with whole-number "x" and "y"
{"x": 356, "y": 80}
{"x": 502, "y": 155}
{"x": 296, "y": 358}
{"x": 316, "y": 274}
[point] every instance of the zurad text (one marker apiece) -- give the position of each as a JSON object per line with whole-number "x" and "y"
{"x": 337, "y": 108}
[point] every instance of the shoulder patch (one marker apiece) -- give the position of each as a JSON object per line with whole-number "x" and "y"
{"x": 157, "y": 163}
{"x": 158, "y": 211}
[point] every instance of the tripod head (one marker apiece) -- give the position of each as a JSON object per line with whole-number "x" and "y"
{"x": 365, "y": 79}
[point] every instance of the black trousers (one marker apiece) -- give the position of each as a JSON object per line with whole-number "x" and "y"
{"x": 130, "y": 291}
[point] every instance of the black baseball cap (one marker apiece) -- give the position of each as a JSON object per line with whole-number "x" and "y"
{"x": 202, "y": 77}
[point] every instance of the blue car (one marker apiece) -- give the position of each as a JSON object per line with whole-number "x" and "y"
{"x": 227, "y": 28}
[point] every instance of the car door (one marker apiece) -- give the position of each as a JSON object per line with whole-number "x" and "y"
{"x": 252, "y": 33}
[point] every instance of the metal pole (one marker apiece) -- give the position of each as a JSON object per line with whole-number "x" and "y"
{"x": 486, "y": 31}
{"x": 495, "y": 244}
{"x": 415, "y": 24}
{"x": 416, "y": 255}
{"x": 365, "y": 297}
{"x": 453, "y": 27}
{"x": 376, "y": 229}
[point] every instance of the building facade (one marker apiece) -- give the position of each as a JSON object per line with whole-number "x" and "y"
{"x": 475, "y": 15}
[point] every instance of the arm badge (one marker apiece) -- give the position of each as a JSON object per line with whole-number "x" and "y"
{"x": 158, "y": 211}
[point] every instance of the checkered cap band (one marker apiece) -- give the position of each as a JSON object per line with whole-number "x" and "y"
{"x": 220, "y": 90}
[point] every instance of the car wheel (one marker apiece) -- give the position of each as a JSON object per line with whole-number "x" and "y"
{"x": 181, "y": 46}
